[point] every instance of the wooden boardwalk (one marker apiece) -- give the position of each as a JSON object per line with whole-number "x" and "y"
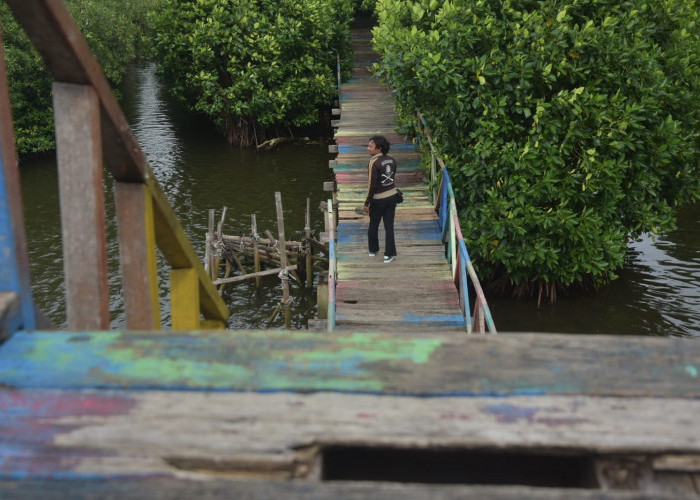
{"x": 90, "y": 414}
{"x": 416, "y": 290}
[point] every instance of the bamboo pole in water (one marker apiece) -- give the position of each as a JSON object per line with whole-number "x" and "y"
{"x": 266, "y": 272}
{"x": 218, "y": 242}
{"x": 210, "y": 246}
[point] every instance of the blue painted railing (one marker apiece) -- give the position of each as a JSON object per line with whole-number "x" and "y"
{"x": 457, "y": 255}
{"x": 332, "y": 267}
{"x": 16, "y": 304}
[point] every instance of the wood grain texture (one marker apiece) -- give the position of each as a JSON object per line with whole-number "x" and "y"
{"x": 186, "y": 489}
{"x": 412, "y": 362}
{"x": 82, "y": 435}
{"x": 137, "y": 255}
{"x": 81, "y": 189}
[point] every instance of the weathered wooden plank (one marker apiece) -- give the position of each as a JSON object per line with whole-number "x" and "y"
{"x": 79, "y": 155}
{"x": 384, "y": 363}
{"x": 181, "y": 488}
{"x": 83, "y": 435}
{"x": 137, "y": 255}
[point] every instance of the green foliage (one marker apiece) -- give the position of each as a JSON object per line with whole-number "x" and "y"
{"x": 367, "y": 5}
{"x": 112, "y": 28}
{"x": 568, "y": 127}
{"x": 253, "y": 64}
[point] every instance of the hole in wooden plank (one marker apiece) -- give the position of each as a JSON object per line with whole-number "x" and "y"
{"x": 350, "y": 301}
{"x": 457, "y": 467}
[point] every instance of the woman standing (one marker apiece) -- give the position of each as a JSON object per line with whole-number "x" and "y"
{"x": 381, "y": 196}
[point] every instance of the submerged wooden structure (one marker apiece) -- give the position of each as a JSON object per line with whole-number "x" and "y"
{"x": 194, "y": 412}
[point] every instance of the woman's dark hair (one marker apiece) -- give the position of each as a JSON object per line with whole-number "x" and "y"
{"x": 381, "y": 142}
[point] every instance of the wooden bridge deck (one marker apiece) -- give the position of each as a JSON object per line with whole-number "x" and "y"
{"x": 416, "y": 290}
{"x": 274, "y": 414}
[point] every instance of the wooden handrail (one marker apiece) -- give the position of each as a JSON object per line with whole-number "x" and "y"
{"x": 460, "y": 264}
{"x": 145, "y": 218}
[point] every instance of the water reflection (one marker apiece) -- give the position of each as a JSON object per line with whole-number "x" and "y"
{"x": 657, "y": 293}
{"x": 153, "y": 127}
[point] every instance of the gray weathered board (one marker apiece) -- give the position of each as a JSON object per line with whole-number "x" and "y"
{"x": 274, "y": 406}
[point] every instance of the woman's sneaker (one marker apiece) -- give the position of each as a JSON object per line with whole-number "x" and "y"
{"x": 372, "y": 254}
{"x": 388, "y": 259}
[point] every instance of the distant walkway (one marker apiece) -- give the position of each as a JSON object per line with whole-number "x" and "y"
{"x": 416, "y": 290}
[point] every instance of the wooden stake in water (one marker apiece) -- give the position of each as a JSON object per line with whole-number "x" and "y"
{"x": 307, "y": 234}
{"x": 283, "y": 260}
{"x": 210, "y": 246}
{"x": 218, "y": 241}
{"x": 256, "y": 255}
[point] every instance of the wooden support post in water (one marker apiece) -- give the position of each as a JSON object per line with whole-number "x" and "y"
{"x": 256, "y": 255}
{"x": 307, "y": 234}
{"x": 184, "y": 299}
{"x": 217, "y": 240}
{"x": 137, "y": 251}
{"x": 283, "y": 260}
{"x": 322, "y": 295}
{"x": 79, "y": 154}
{"x": 210, "y": 232}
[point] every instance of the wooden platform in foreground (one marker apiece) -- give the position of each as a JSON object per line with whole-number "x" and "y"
{"x": 416, "y": 290}
{"x": 299, "y": 414}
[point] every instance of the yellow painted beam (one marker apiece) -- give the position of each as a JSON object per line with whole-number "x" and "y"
{"x": 184, "y": 299}
{"x": 178, "y": 251}
{"x": 152, "y": 261}
{"x": 212, "y": 324}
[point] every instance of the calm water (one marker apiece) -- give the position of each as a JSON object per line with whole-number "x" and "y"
{"x": 658, "y": 292}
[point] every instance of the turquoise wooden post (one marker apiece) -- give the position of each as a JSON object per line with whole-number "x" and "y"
{"x": 14, "y": 261}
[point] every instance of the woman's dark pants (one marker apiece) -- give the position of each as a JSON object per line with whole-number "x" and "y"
{"x": 378, "y": 210}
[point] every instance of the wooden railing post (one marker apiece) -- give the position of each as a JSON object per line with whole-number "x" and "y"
{"x": 137, "y": 251}
{"x": 82, "y": 95}
{"x": 80, "y": 179}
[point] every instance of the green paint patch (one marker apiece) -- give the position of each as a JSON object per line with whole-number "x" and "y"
{"x": 691, "y": 370}
{"x": 373, "y": 347}
{"x": 230, "y": 361}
